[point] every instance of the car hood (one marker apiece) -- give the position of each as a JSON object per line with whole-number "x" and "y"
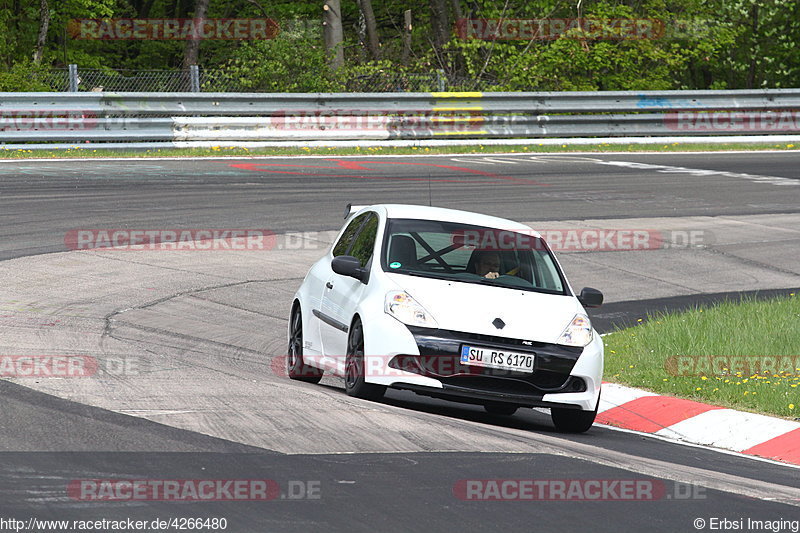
{"x": 472, "y": 308}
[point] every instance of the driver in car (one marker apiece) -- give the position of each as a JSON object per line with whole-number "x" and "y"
{"x": 488, "y": 265}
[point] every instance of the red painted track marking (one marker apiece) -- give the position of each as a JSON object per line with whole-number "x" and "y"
{"x": 254, "y": 166}
{"x": 783, "y": 448}
{"x": 652, "y": 413}
{"x": 360, "y": 165}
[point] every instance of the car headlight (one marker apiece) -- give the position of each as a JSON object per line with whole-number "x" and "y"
{"x": 577, "y": 333}
{"x": 404, "y": 308}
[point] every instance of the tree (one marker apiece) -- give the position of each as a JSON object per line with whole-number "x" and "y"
{"x": 44, "y": 24}
{"x": 710, "y": 44}
{"x": 440, "y": 27}
{"x": 193, "y": 45}
{"x": 333, "y": 33}
{"x": 373, "y": 43}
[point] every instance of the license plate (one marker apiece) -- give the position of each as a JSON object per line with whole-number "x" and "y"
{"x": 495, "y": 358}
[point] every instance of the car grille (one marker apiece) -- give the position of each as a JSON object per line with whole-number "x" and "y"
{"x": 440, "y": 359}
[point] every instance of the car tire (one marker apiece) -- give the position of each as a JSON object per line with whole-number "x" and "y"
{"x": 573, "y": 420}
{"x": 354, "y": 383}
{"x": 505, "y": 409}
{"x": 295, "y": 366}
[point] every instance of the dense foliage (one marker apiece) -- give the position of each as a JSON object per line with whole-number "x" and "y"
{"x": 705, "y": 44}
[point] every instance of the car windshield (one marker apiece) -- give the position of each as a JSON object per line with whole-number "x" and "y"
{"x": 471, "y": 254}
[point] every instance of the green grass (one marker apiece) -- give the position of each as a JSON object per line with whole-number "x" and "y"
{"x": 671, "y": 354}
{"x": 533, "y": 148}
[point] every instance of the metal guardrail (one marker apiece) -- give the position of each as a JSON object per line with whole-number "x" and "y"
{"x": 141, "y": 117}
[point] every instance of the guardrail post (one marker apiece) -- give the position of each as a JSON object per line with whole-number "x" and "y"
{"x": 194, "y": 78}
{"x": 73, "y": 78}
{"x": 441, "y": 80}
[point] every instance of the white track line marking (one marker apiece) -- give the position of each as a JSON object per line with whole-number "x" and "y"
{"x": 387, "y": 156}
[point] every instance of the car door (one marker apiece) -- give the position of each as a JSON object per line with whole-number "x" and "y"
{"x": 342, "y": 294}
{"x": 323, "y": 274}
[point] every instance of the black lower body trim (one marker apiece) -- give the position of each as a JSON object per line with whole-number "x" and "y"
{"x": 330, "y": 320}
{"x": 463, "y": 395}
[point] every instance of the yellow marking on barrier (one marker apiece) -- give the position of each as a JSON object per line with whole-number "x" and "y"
{"x": 458, "y": 119}
{"x": 466, "y": 94}
{"x": 472, "y": 108}
{"x": 477, "y": 132}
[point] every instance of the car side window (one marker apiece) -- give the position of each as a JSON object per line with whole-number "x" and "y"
{"x": 365, "y": 242}
{"x": 343, "y": 245}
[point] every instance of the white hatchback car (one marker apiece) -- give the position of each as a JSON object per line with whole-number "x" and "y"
{"x": 448, "y": 304}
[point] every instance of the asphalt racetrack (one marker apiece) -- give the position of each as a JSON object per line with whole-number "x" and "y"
{"x": 191, "y": 343}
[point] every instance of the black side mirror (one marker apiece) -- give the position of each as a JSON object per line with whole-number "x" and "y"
{"x": 347, "y": 265}
{"x": 590, "y": 297}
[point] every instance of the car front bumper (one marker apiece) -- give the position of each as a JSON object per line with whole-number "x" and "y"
{"x": 427, "y": 361}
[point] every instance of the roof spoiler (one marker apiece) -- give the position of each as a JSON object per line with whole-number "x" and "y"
{"x": 350, "y": 209}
